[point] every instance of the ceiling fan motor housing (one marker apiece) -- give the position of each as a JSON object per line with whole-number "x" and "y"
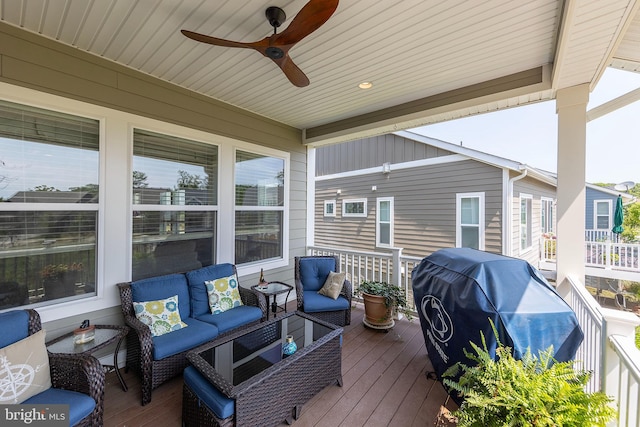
{"x": 276, "y": 16}
{"x": 274, "y": 52}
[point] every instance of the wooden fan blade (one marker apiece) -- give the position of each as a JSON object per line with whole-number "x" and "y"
{"x": 215, "y": 41}
{"x": 310, "y": 18}
{"x": 291, "y": 70}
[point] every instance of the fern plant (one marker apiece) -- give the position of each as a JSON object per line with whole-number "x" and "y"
{"x": 533, "y": 391}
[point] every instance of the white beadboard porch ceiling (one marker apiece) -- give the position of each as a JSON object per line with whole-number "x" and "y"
{"x": 410, "y": 49}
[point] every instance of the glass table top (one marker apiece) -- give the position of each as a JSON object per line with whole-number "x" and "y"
{"x": 273, "y": 288}
{"x": 249, "y": 354}
{"x": 65, "y": 344}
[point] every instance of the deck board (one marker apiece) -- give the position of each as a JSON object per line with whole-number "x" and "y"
{"x": 384, "y": 384}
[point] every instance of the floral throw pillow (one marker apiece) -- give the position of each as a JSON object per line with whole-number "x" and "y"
{"x": 161, "y": 316}
{"x": 223, "y": 294}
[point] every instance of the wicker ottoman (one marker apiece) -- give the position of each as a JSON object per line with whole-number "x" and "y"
{"x": 202, "y": 404}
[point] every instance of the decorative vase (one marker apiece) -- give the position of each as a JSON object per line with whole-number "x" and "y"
{"x": 289, "y": 346}
{"x": 377, "y": 315}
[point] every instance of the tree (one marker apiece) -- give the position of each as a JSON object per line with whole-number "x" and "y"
{"x": 89, "y": 188}
{"x": 631, "y": 222}
{"x": 187, "y": 180}
{"x": 43, "y": 187}
{"x": 139, "y": 179}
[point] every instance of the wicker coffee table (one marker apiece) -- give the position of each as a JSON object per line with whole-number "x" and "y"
{"x": 269, "y": 388}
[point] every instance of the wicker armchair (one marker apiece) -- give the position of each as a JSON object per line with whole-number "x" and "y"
{"x": 80, "y": 373}
{"x": 140, "y": 343}
{"x": 310, "y": 275}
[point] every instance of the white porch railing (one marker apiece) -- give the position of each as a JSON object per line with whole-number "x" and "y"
{"x": 600, "y": 235}
{"x": 608, "y": 349}
{"x": 378, "y": 266}
{"x": 601, "y": 254}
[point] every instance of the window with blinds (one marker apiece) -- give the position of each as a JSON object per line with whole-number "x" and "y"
{"x": 526, "y": 236}
{"x": 174, "y": 187}
{"x": 49, "y": 175}
{"x": 602, "y": 214}
{"x": 259, "y": 207}
{"x": 470, "y": 220}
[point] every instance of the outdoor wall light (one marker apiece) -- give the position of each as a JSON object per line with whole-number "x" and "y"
{"x": 386, "y": 167}
{"x": 374, "y": 188}
{"x": 338, "y": 192}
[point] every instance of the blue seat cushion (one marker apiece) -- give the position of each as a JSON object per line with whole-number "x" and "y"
{"x": 15, "y": 327}
{"x": 233, "y": 318}
{"x": 163, "y": 287}
{"x": 219, "y": 404}
{"x": 197, "y": 289}
{"x": 195, "y": 334}
{"x": 314, "y": 302}
{"x": 314, "y": 272}
{"x": 80, "y": 405}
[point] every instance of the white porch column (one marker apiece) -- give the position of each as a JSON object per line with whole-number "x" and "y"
{"x": 311, "y": 197}
{"x": 571, "y": 107}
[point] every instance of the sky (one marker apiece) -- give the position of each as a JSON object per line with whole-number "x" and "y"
{"x": 530, "y": 134}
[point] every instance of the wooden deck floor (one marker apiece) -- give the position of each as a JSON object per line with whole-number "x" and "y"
{"x": 384, "y": 385}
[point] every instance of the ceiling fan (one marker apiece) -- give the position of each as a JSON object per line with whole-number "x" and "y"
{"x": 276, "y": 47}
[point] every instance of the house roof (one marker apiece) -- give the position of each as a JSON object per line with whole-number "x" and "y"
{"x": 429, "y": 60}
{"x": 626, "y": 197}
{"x": 481, "y": 156}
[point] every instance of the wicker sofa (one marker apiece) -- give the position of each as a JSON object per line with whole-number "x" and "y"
{"x": 77, "y": 380}
{"x": 160, "y": 358}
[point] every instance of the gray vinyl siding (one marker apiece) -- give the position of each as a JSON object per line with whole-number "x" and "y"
{"x": 424, "y": 207}
{"x": 537, "y": 190}
{"x": 591, "y": 196}
{"x": 34, "y": 62}
{"x": 372, "y": 152}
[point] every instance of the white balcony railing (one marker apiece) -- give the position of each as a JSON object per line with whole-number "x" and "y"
{"x": 608, "y": 349}
{"x": 378, "y": 266}
{"x": 605, "y": 254}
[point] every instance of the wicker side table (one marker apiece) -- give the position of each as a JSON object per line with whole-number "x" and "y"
{"x": 104, "y": 336}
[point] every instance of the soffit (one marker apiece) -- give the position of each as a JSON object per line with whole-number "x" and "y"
{"x": 412, "y": 50}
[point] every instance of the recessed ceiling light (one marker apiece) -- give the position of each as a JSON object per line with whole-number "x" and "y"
{"x": 365, "y": 85}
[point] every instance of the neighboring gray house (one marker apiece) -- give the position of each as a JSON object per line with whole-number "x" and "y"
{"x": 422, "y": 194}
{"x": 600, "y": 207}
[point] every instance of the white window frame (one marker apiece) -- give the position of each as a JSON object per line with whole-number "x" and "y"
{"x": 113, "y": 251}
{"x": 609, "y": 214}
{"x": 354, "y": 215}
{"x": 331, "y": 203}
{"x": 257, "y": 266}
{"x": 546, "y": 212}
{"x": 176, "y": 207}
{"x": 528, "y": 224}
{"x": 379, "y": 222}
{"x": 481, "y": 224}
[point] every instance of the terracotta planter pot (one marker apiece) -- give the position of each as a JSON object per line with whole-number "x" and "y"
{"x": 377, "y": 315}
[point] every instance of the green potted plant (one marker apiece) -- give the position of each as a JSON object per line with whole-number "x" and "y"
{"x": 533, "y": 391}
{"x": 381, "y": 302}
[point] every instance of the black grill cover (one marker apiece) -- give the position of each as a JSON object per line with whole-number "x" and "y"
{"x": 458, "y": 290}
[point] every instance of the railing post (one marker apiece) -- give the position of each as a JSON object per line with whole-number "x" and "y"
{"x": 396, "y": 267}
{"x": 621, "y": 324}
{"x": 607, "y": 248}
